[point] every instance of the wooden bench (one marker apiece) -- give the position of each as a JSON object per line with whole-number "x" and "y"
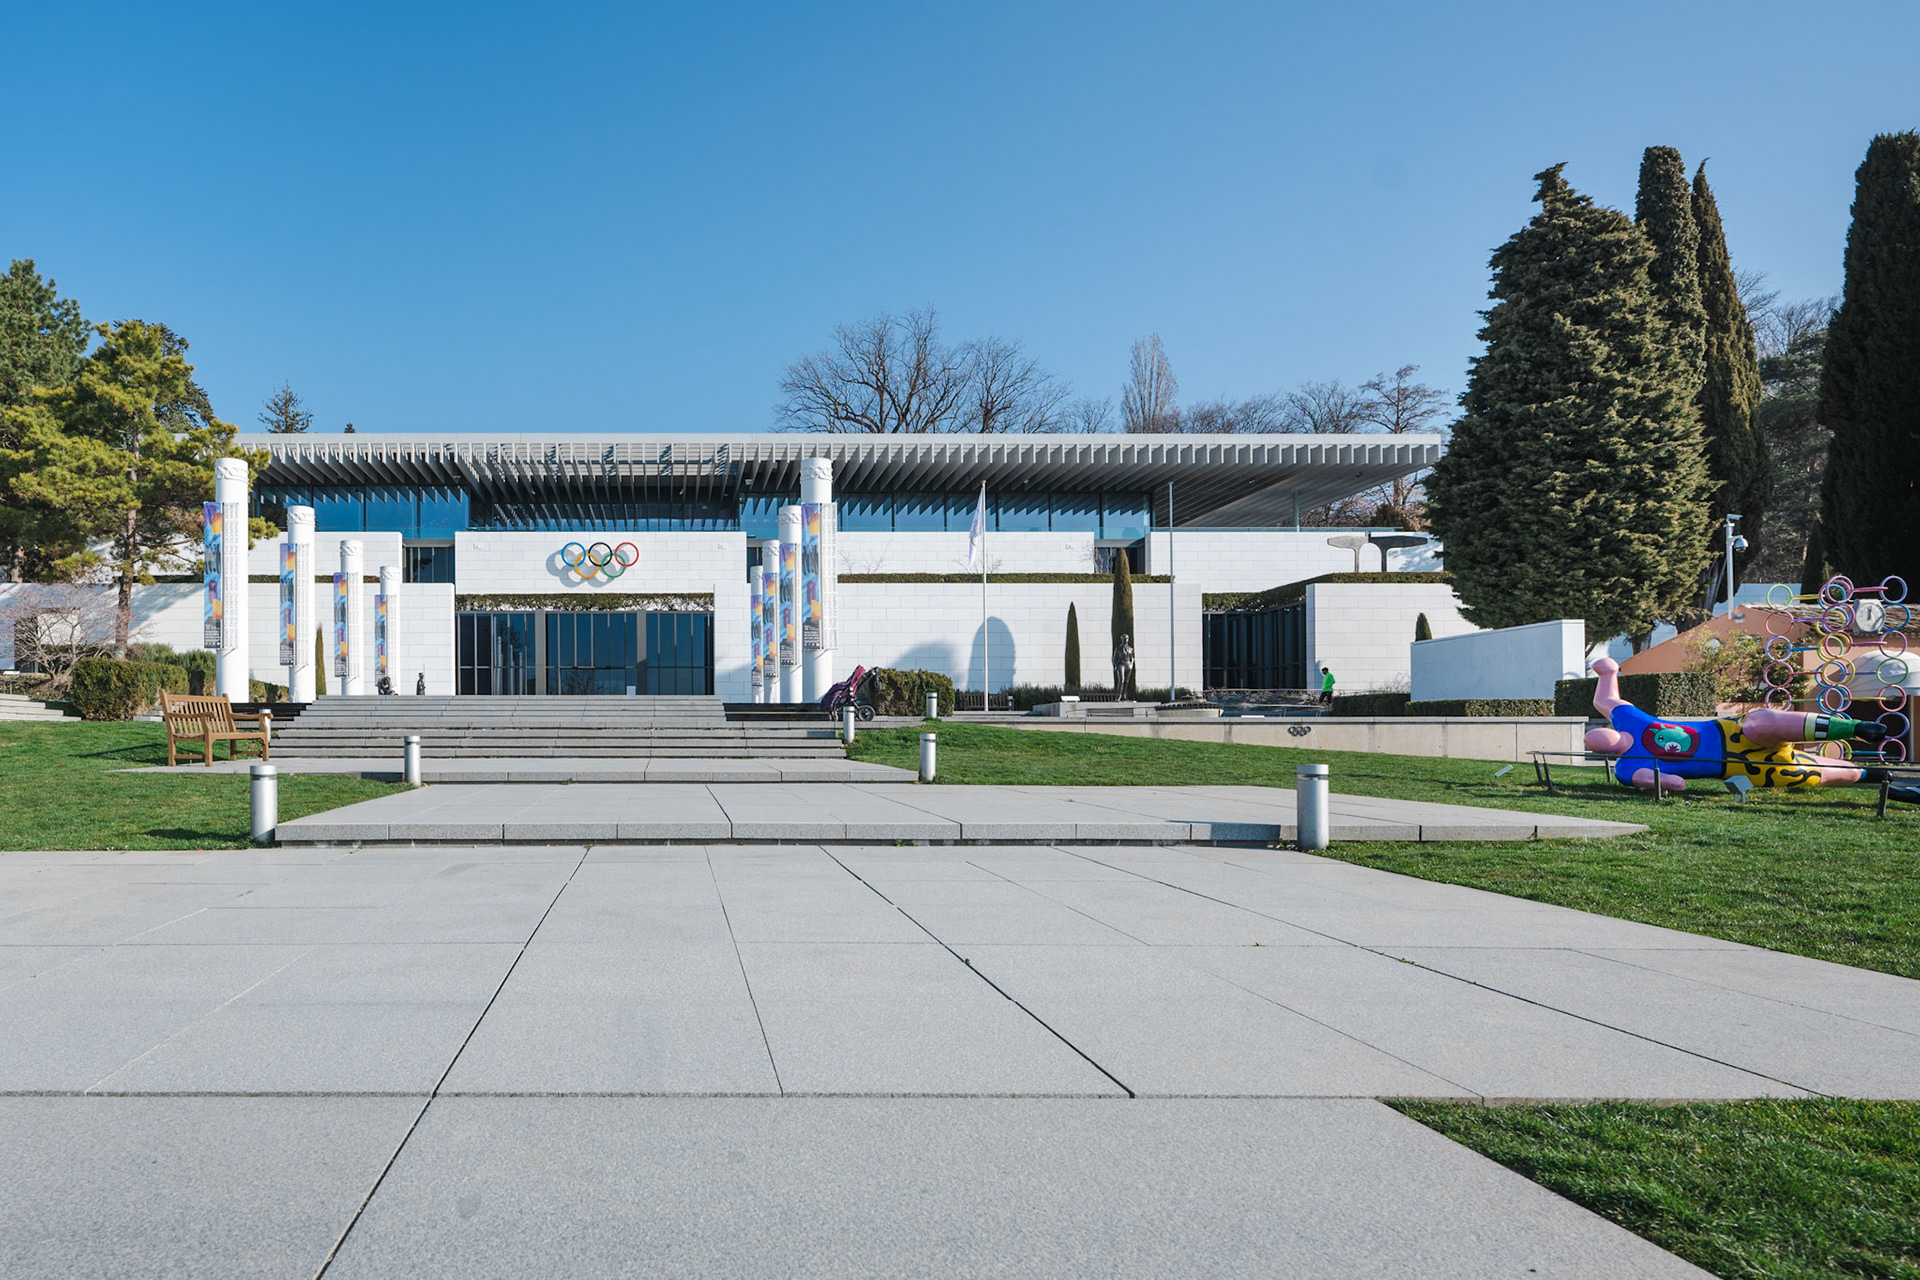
{"x": 210, "y": 719}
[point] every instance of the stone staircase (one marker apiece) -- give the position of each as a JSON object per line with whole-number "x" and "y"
{"x": 543, "y": 728}
{"x": 15, "y": 707}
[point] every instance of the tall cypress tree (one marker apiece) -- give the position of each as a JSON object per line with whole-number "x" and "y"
{"x": 1870, "y": 383}
{"x": 1123, "y": 610}
{"x": 1664, "y": 213}
{"x": 1575, "y": 484}
{"x": 1073, "y": 649}
{"x": 1739, "y": 469}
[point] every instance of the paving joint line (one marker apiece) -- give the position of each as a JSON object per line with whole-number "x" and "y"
{"x": 1511, "y": 995}
{"x": 969, "y": 966}
{"x": 745, "y": 981}
{"x": 378, "y": 1182}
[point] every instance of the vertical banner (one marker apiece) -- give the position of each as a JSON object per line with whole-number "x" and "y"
{"x": 380, "y": 635}
{"x": 212, "y": 528}
{"x": 340, "y": 639}
{"x": 789, "y": 618}
{"x": 811, "y": 520}
{"x": 756, "y": 622}
{"x": 289, "y": 635}
{"x": 770, "y": 619}
{"x": 233, "y": 571}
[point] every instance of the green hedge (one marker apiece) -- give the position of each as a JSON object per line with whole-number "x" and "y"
{"x": 201, "y": 664}
{"x": 1369, "y": 704}
{"x": 1498, "y": 707}
{"x": 112, "y": 689}
{"x": 1658, "y": 693}
{"x": 904, "y": 693}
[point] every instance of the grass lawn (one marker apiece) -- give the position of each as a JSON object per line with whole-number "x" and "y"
{"x": 1781, "y": 1190}
{"x": 1814, "y": 873}
{"x": 58, "y": 791}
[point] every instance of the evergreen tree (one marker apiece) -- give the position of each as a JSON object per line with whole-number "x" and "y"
{"x": 320, "y": 662}
{"x": 1664, "y": 213}
{"x": 126, "y": 452}
{"x": 1122, "y": 608}
{"x": 1813, "y": 570}
{"x": 1575, "y": 483}
{"x": 1870, "y": 384}
{"x": 42, "y": 340}
{"x": 1740, "y": 474}
{"x": 1422, "y": 629}
{"x": 1073, "y": 649}
{"x": 284, "y": 413}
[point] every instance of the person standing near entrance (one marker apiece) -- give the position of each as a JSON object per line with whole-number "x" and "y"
{"x": 1326, "y": 687}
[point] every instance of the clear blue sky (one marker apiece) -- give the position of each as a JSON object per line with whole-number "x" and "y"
{"x": 587, "y": 217}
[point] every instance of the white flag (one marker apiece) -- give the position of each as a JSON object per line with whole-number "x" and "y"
{"x": 977, "y": 535}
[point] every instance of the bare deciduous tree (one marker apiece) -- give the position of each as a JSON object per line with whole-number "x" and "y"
{"x": 1087, "y": 416}
{"x": 884, "y": 376}
{"x": 1398, "y": 405}
{"x": 55, "y": 625}
{"x": 1325, "y": 408}
{"x": 1150, "y": 402}
{"x": 1007, "y": 391}
{"x": 1263, "y": 413}
{"x": 283, "y": 413}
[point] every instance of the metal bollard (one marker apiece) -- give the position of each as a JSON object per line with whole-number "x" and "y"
{"x": 933, "y": 706}
{"x": 1310, "y": 806}
{"x": 411, "y": 768}
{"x": 846, "y": 724}
{"x": 264, "y": 792}
{"x": 926, "y": 757}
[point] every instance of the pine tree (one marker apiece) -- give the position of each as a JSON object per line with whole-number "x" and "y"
{"x": 1813, "y": 570}
{"x": 1073, "y": 649}
{"x": 1870, "y": 384}
{"x": 1739, "y": 471}
{"x": 1122, "y": 608}
{"x": 1575, "y": 483}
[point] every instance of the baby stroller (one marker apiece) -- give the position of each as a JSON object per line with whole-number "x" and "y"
{"x": 848, "y": 691}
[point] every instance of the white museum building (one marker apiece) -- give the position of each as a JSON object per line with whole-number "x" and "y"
{"x": 764, "y": 567}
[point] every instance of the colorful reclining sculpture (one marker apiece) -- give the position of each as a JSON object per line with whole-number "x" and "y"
{"x": 1758, "y": 746}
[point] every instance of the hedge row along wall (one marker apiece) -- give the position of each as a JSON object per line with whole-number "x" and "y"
{"x": 1659, "y": 693}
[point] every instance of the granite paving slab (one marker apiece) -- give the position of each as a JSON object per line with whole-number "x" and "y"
{"x": 549, "y": 770}
{"x": 113, "y": 1188}
{"x": 943, "y": 1187}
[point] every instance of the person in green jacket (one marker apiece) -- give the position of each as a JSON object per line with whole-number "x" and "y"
{"x": 1326, "y": 686}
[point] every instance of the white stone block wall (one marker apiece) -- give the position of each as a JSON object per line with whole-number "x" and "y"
{"x": 936, "y": 626}
{"x": 379, "y": 549}
{"x": 947, "y": 552}
{"x": 505, "y": 563}
{"x": 1364, "y": 631}
{"x": 1511, "y": 662}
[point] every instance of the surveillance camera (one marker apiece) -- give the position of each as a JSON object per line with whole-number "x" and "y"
{"x": 1735, "y": 515}
{"x": 1739, "y": 543}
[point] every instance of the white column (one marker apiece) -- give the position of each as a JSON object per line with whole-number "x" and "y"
{"x": 816, "y": 486}
{"x": 231, "y": 672}
{"x": 770, "y": 626}
{"x": 790, "y": 679}
{"x": 390, "y": 588}
{"x": 300, "y": 676}
{"x": 756, "y": 630}
{"x": 352, "y": 559}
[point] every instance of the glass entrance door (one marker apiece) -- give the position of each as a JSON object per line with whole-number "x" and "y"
{"x": 585, "y": 652}
{"x": 495, "y": 653}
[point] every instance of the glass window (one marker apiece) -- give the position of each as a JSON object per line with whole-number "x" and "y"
{"x": 1125, "y": 515}
{"x": 921, "y": 512}
{"x": 866, "y": 513}
{"x": 1020, "y": 513}
{"x": 443, "y": 513}
{"x": 338, "y": 510}
{"x": 1076, "y": 513}
{"x": 392, "y": 511}
{"x": 760, "y": 514}
{"x": 428, "y": 563}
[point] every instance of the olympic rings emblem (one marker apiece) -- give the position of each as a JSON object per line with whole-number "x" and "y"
{"x": 599, "y": 560}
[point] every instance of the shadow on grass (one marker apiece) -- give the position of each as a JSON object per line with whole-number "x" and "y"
{"x": 185, "y": 833}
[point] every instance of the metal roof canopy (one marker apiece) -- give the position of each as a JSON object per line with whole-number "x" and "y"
{"x": 1219, "y": 480}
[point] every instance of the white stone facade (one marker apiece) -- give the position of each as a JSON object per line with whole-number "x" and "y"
{"x": 1364, "y": 630}
{"x": 1510, "y": 662}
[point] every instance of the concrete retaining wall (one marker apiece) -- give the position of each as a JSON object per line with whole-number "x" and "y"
{"x": 1511, "y": 662}
{"x": 1459, "y": 737}
{"x": 1364, "y": 630}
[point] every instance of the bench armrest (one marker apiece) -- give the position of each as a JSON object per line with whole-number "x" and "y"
{"x": 255, "y": 716}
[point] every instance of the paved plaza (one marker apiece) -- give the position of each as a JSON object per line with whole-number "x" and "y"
{"x": 772, "y": 810}
{"x": 853, "y": 1060}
